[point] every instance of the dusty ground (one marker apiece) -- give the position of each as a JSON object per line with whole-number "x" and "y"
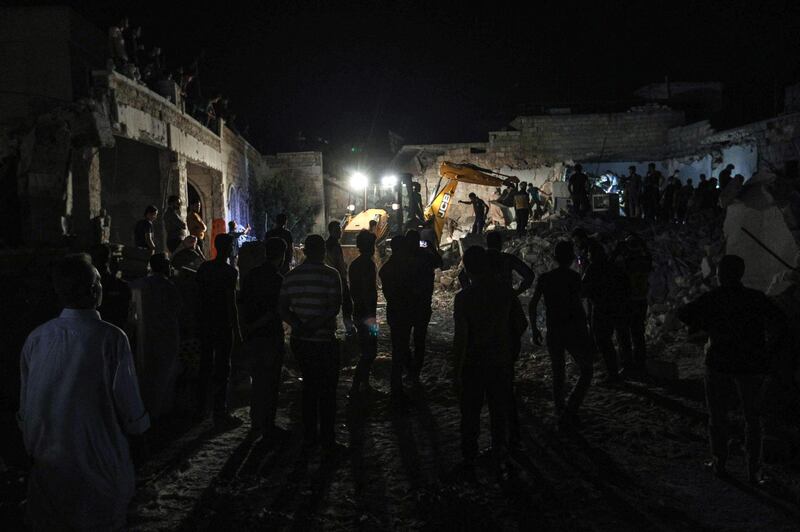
{"x": 635, "y": 464}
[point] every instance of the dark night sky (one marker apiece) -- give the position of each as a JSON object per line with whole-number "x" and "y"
{"x": 449, "y": 72}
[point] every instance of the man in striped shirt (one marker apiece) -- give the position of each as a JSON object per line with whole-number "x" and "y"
{"x": 311, "y": 296}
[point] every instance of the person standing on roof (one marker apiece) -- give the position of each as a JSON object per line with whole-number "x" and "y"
{"x": 481, "y": 209}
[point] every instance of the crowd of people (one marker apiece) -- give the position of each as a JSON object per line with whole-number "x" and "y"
{"x": 655, "y": 197}
{"x": 129, "y": 56}
{"x": 83, "y": 389}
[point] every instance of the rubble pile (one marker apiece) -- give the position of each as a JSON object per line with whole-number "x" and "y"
{"x": 684, "y": 257}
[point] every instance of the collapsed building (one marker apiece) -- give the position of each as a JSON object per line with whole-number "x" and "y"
{"x": 541, "y": 150}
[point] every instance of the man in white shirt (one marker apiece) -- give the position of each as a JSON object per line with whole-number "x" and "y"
{"x": 78, "y": 398}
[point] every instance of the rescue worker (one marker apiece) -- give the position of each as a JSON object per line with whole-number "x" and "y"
{"x": 737, "y": 357}
{"x": 480, "y": 209}
{"x": 566, "y": 331}
{"x": 522, "y": 208}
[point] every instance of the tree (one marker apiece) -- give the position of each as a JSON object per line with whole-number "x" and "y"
{"x": 288, "y": 192}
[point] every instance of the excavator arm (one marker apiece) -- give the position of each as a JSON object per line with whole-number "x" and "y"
{"x": 455, "y": 174}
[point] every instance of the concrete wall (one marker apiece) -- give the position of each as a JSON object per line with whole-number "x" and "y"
{"x": 130, "y": 180}
{"x": 306, "y": 167}
{"x": 609, "y": 136}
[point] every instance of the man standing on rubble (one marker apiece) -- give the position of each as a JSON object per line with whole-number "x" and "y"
{"x": 481, "y": 210}
{"x": 502, "y": 266}
{"x": 522, "y": 208}
{"x": 607, "y": 289}
{"x": 566, "y": 331}
{"x": 398, "y": 288}
{"x": 633, "y": 191}
{"x": 483, "y": 351}
{"x": 738, "y": 357}
{"x": 425, "y": 260}
{"x": 632, "y": 257}
{"x": 651, "y": 192}
{"x": 579, "y": 190}
{"x": 682, "y": 199}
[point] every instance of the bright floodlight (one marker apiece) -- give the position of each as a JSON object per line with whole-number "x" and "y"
{"x": 358, "y": 181}
{"x": 351, "y": 207}
{"x": 389, "y": 181}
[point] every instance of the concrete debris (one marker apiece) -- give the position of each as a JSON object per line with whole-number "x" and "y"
{"x": 684, "y": 258}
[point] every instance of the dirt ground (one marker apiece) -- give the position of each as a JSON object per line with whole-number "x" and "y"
{"x": 634, "y": 464}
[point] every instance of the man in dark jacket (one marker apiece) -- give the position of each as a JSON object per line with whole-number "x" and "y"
{"x": 633, "y": 258}
{"x": 607, "y": 289}
{"x": 425, "y": 261}
{"x": 397, "y": 281}
{"x": 284, "y": 234}
{"x": 219, "y": 326}
{"x": 579, "y": 189}
{"x": 334, "y": 257}
{"x": 483, "y": 350}
{"x": 737, "y": 356}
{"x": 263, "y": 332}
{"x": 364, "y": 291}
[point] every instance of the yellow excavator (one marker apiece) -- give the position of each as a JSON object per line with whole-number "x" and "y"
{"x": 436, "y": 210}
{"x": 455, "y": 174}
